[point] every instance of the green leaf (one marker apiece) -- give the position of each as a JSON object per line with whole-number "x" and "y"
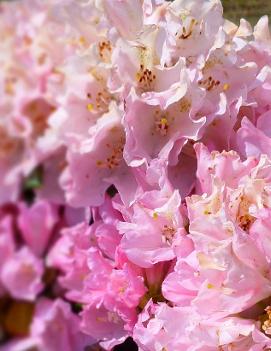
{"x": 34, "y": 180}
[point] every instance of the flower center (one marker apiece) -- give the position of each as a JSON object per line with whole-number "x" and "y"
{"x": 187, "y": 32}
{"x": 244, "y": 219}
{"x": 38, "y": 111}
{"x": 105, "y": 50}
{"x": 99, "y": 102}
{"x": 185, "y": 105}
{"x": 266, "y": 321}
{"x": 209, "y": 83}
{"x": 145, "y": 78}
{"x": 115, "y": 155}
{"x": 8, "y": 144}
{"x": 168, "y": 233}
{"x": 162, "y": 122}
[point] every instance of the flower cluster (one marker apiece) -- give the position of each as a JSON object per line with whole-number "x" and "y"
{"x": 135, "y": 170}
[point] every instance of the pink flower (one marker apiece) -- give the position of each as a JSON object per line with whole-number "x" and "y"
{"x": 7, "y": 245}
{"x": 36, "y": 224}
{"x": 101, "y": 164}
{"x": 126, "y": 16}
{"x": 153, "y": 232}
{"x": 103, "y": 325}
{"x": 55, "y": 327}
{"x": 152, "y": 131}
{"x": 22, "y": 275}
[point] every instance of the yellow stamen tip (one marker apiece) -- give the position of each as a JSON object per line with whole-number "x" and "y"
{"x": 82, "y": 41}
{"x": 155, "y": 215}
{"x": 164, "y": 121}
{"x": 226, "y": 87}
{"x": 206, "y": 212}
{"x": 90, "y": 107}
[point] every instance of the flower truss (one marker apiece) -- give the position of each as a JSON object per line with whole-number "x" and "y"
{"x": 135, "y": 172}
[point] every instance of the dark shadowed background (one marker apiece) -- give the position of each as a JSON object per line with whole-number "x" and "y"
{"x": 251, "y": 10}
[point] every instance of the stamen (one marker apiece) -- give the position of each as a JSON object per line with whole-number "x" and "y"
{"x": 266, "y": 326}
{"x": 115, "y": 156}
{"x": 168, "y": 234}
{"x": 145, "y": 78}
{"x": 105, "y": 50}
{"x": 161, "y": 124}
{"x": 187, "y": 33}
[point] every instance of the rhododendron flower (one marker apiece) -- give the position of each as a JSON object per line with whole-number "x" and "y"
{"x": 135, "y": 171}
{"x": 36, "y": 224}
{"x": 21, "y": 275}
